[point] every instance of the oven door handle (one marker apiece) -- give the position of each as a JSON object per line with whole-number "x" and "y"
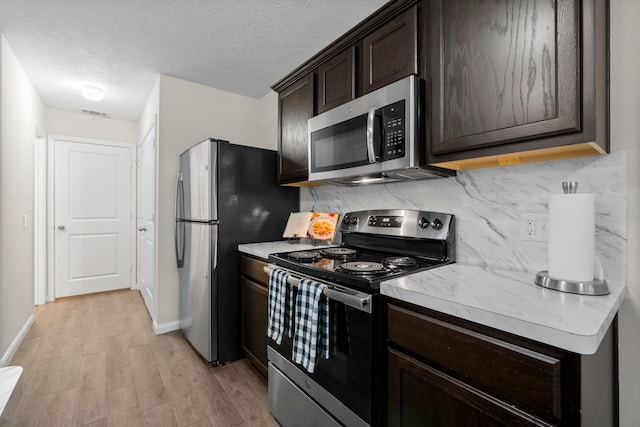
{"x": 358, "y": 300}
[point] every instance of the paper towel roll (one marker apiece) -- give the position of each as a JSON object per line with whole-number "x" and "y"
{"x": 572, "y": 237}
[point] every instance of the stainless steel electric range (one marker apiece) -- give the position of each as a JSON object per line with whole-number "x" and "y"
{"x": 376, "y": 246}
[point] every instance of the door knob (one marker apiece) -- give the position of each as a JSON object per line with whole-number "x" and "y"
{"x": 61, "y": 227}
{"x": 142, "y": 228}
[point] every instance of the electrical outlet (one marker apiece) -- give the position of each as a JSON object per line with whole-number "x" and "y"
{"x": 533, "y": 227}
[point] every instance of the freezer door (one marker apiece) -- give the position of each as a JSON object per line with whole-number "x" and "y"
{"x": 197, "y": 182}
{"x": 198, "y": 288}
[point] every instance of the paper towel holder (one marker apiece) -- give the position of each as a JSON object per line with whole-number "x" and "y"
{"x": 593, "y": 287}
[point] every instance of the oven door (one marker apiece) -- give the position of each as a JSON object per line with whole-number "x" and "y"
{"x": 346, "y": 384}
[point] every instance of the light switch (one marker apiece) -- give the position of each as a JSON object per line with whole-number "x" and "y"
{"x": 24, "y": 221}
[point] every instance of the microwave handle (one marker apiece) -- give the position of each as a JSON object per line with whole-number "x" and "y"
{"x": 371, "y": 122}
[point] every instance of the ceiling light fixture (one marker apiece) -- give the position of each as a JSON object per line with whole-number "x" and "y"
{"x": 92, "y": 93}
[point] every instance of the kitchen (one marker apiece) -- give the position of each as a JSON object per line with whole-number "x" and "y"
{"x": 184, "y": 108}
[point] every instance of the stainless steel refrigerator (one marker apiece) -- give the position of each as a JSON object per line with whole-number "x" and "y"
{"x": 226, "y": 194}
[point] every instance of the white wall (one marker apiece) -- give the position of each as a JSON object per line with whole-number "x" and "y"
{"x": 22, "y": 111}
{"x": 196, "y": 112}
{"x": 625, "y": 135}
{"x": 188, "y": 114}
{"x": 69, "y": 123}
{"x": 266, "y": 121}
{"x": 150, "y": 111}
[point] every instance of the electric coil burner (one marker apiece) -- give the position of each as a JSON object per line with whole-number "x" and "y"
{"x": 376, "y": 246}
{"x": 304, "y": 256}
{"x": 339, "y": 253}
{"x": 363, "y": 267}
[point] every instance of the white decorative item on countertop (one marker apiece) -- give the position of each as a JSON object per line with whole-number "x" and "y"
{"x": 572, "y": 245}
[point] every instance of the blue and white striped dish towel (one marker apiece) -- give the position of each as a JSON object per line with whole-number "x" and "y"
{"x": 311, "y": 338}
{"x": 280, "y": 305}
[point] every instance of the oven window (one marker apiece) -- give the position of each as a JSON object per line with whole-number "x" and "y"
{"x": 340, "y": 146}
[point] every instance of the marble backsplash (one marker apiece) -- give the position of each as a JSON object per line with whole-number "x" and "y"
{"x": 488, "y": 204}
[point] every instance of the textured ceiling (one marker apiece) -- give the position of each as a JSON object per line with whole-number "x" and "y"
{"x": 241, "y": 46}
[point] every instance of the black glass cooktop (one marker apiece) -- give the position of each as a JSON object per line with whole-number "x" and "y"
{"x": 363, "y": 269}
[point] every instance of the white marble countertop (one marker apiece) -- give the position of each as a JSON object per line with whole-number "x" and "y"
{"x": 511, "y": 302}
{"x": 9, "y": 377}
{"x": 262, "y": 250}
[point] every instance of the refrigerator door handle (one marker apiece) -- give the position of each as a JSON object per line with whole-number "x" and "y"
{"x": 179, "y": 237}
{"x": 179, "y": 197}
{"x": 179, "y": 241}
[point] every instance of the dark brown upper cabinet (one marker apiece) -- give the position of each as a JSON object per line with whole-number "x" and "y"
{"x": 336, "y": 81}
{"x": 390, "y": 52}
{"x": 513, "y": 77}
{"x": 295, "y": 108}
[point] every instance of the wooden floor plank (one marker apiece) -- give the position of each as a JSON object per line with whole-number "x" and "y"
{"x": 93, "y": 360}
{"x": 92, "y": 390}
{"x": 59, "y": 408}
{"x": 160, "y": 416}
{"x": 220, "y": 410}
{"x": 99, "y": 423}
{"x": 92, "y": 344}
{"x": 149, "y": 387}
{"x": 123, "y": 409}
{"x": 68, "y": 372}
{"x": 179, "y": 384}
{"x": 50, "y": 346}
{"x": 204, "y": 422}
{"x": 118, "y": 362}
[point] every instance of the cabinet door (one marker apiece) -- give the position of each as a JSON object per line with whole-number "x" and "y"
{"x": 503, "y": 71}
{"x": 391, "y": 52}
{"x": 336, "y": 81}
{"x": 295, "y": 108}
{"x": 254, "y": 323}
{"x": 419, "y": 395}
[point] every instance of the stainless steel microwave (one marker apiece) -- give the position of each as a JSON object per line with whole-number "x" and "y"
{"x": 371, "y": 139}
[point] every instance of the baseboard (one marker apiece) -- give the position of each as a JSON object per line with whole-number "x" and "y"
{"x": 11, "y": 351}
{"x": 163, "y": 328}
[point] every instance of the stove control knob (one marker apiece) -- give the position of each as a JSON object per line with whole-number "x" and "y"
{"x": 346, "y": 220}
{"x": 354, "y": 220}
{"x": 424, "y": 223}
{"x": 437, "y": 224}
{"x": 372, "y": 220}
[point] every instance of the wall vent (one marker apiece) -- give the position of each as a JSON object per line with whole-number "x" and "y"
{"x": 94, "y": 113}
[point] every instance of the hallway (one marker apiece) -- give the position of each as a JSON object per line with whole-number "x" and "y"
{"x": 94, "y": 360}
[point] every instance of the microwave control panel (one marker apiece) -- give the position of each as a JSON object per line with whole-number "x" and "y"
{"x": 393, "y": 120}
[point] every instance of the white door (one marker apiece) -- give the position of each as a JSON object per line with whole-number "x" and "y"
{"x": 93, "y": 217}
{"x": 146, "y": 220}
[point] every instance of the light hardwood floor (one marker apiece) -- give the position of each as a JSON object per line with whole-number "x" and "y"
{"x": 93, "y": 360}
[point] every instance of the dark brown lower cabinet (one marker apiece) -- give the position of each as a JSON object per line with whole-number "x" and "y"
{"x": 446, "y": 371}
{"x": 420, "y": 395}
{"x": 255, "y": 317}
{"x": 254, "y": 282}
